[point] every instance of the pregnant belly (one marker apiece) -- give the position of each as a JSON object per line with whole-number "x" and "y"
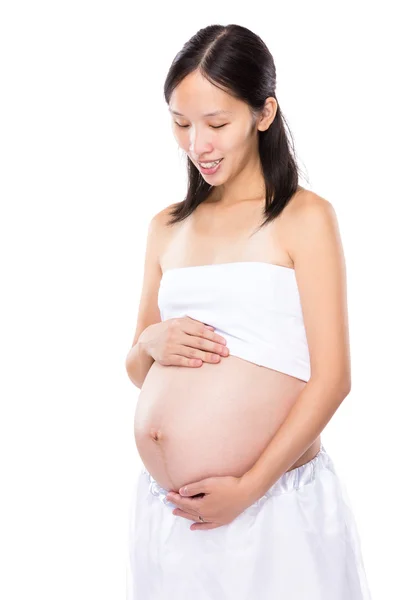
{"x": 215, "y": 420}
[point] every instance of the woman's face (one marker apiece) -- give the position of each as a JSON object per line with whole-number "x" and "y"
{"x": 230, "y": 134}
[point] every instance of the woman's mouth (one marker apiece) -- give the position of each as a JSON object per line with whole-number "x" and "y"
{"x": 209, "y": 168}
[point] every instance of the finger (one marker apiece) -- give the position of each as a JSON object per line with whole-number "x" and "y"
{"x": 203, "y": 330}
{"x": 203, "y": 344}
{"x": 191, "y": 349}
{"x": 208, "y": 347}
{"x": 182, "y": 361}
{"x": 191, "y": 507}
{"x": 180, "y": 513}
{"x": 207, "y": 525}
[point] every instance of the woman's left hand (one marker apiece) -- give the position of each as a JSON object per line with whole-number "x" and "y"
{"x": 224, "y": 499}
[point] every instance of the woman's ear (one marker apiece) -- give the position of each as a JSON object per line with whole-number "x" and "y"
{"x": 268, "y": 114}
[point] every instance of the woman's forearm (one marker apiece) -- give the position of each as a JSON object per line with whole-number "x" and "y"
{"x": 313, "y": 409}
{"x": 138, "y": 362}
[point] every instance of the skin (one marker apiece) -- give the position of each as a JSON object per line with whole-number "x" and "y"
{"x": 188, "y": 418}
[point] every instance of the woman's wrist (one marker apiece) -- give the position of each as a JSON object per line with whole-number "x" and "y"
{"x": 252, "y": 487}
{"x": 144, "y": 341}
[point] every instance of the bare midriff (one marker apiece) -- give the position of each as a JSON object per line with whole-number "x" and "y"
{"x": 214, "y": 420}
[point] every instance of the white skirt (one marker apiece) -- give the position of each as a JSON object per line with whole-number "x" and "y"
{"x": 297, "y": 542}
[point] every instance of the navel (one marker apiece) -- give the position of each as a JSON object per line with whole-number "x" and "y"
{"x": 156, "y": 435}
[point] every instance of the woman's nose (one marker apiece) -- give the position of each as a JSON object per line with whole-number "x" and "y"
{"x": 199, "y": 144}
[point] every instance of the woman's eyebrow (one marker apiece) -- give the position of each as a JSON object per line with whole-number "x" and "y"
{"x": 210, "y": 114}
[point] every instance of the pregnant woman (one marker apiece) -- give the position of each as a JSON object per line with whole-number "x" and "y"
{"x": 241, "y": 355}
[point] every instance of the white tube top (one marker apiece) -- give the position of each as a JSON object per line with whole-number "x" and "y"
{"x": 254, "y": 305}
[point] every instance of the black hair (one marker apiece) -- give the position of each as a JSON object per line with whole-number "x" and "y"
{"x": 238, "y": 61}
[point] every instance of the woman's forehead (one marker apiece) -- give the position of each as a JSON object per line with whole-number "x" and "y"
{"x": 197, "y": 95}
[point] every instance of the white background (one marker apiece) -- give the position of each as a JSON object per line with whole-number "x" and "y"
{"x": 87, "y": 158}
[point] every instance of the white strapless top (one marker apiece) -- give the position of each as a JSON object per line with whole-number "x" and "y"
{"x": 254, "y": 305}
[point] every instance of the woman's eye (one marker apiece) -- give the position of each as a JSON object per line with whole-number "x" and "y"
{"x": 212, "y": 126}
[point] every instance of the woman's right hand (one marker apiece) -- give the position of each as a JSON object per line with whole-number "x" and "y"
{"x": 183, "y": 342}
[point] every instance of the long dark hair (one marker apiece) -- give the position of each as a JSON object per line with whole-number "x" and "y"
{"x": 237, "y": 60}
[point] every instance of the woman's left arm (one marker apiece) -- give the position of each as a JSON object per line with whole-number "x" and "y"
{"x": 317, "y": 253}
{"x": 316, "y": 250}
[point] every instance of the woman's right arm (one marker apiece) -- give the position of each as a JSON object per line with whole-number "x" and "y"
{"x": 138, "y": 361}
{"x": 182, "y": 341}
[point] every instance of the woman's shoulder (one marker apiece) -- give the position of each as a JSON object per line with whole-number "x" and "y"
{"x": 162, "y": 216}
{"x": 305, "y": 205}
{"x": 307, "y": 218}
{"x": 304, "y": 201}
{"x": 159, "y": 225}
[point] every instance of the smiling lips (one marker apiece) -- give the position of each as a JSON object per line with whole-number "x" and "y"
{"x": 210, "y": 164}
